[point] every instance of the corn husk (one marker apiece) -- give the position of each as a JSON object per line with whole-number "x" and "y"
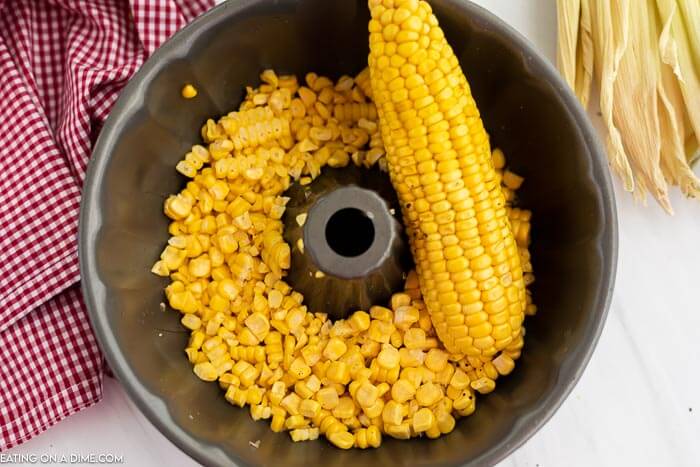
{"x": 568, "y": 14}
{"x": 688, "y": 75}
{"x": 692, "y": 149}
{"x": 585, "y": 55}
{"x": 636, "y": 102}
{"x": 690, "y": 12}
{"x": 644, "y": 55}
{"x": 608, "y": 49}
{"x": 673, "y": 122}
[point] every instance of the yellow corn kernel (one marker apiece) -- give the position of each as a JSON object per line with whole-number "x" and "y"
{"x": 258, "y": 324}
{"x": 388, "y": 358}
{"x": 206, "y": 371}
{"x": 200, "y": 267}
{"x": 381, "y": 313}
{"x": 460, "y": 380}
{"x": 399, "y": 431}
{"x": 219, "y": 304}
{"x": 483, "y": 385}
{"x": 374, "y": 436}
{"x": 277, "y": 423}
{"x": 405, "y": 316}
{"x": 445, "y": 376}
{"x": 411, "y": 357}
{"x": 274, "y": 299}
{"x": 428, "y": 394}
{"x": 361, "y": 438}
{"x": 330, "y": 424}
{"x": 499, "y": 160}
{"x": 393, "y": 413}
{"x": 434, "y": 431}
{"x": 277, "y": 392}
{"x": 255, "y": 395}
{"x": 345, "y": 409}
{"x": 423, "y": 419}
{"x": 291, "y": 403}
{"x": 412, "y": 375}
{"x": 192, "y": 354}
{"x": 189, "y": 91}
{"x": 236, "y": 396}
{"x": 311, "y": 354}
{"x": 400, "y": 299}
{"x": 313, "y": 383}
{"x": 301, "y": 388}
{"x": 428, "y": 375}
{"x": 353, "y": 423}
{"x": 414, "y": 338}
{"x": 294, "y": 422}
{"x": 370, "y": 349}
{"x": 334, "y": 349}
{"x": 309, "y": 408}
{"x": 318, "y": 419}
{"x": 197, "y": 339}
{"x": 445, "y": 422}
{"x": 304, "y": 434}
{"x": 178, "y": 207}
{"x": 402, "y": 390}
{"x": 366, "y": 394}
{"x": 512, "y": 180}
{"x": 160, "y": 269}
{"x": 338, "y": 372}
{"x": 341, "y": 439}
{"x": 299, "y": 369}
{"x": 436, "y": 360}
{"x": 246, "y": 372}
{"x": 380, "y": 331}
{"x": 295, "y": 318}
{"x": 227, "y": 289}
{"x": 260, "y": 412}
{"x": 504, "y": 364}
{"x": 465, "y": 400}
{"x": 328, "y": 398}
{"x": 191, "y": 322}
{"x": 246, "y": 337}
{"x": 359, "y": 321}
{"x": 173, "y": 257}
{"x": 374, "y": 410}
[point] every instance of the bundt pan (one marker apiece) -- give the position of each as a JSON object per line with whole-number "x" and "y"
{"x": 529, "y": 113}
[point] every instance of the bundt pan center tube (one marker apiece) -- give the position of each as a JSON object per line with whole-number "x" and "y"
{"x": 527, "y": 110}
{"x": 349, "y": 251}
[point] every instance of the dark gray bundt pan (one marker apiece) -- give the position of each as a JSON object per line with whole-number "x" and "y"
{"x": 529, "y": 113}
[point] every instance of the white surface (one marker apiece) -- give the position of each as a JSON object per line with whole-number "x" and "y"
{"x": 632, "y": 405}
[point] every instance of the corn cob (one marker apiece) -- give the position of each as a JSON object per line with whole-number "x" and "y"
{"x": 440, "y": 165}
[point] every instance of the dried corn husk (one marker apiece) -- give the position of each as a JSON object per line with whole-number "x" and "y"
{"x": 609, "y": 45}
{"x": 690, "y": 11}
{"x": 644, "y": 55}
{"x": 688, "y": 75}
{"x": 673, "y": 124}
{"x": 569, "y": 12}
{"x": 584, "y": 55}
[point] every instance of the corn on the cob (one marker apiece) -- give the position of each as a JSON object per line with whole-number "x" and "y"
{"x": 440, "y": 164}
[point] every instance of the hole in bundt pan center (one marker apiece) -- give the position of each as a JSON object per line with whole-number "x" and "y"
{"x": 350, "y": 232}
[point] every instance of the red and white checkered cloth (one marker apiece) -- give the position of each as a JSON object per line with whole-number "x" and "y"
{"x": 62, "y": 65}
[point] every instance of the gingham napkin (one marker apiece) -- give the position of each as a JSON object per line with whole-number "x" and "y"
{"x": 62, "y": 65}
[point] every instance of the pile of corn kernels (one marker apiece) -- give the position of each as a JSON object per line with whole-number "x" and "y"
{"x": 380, "y": 371}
